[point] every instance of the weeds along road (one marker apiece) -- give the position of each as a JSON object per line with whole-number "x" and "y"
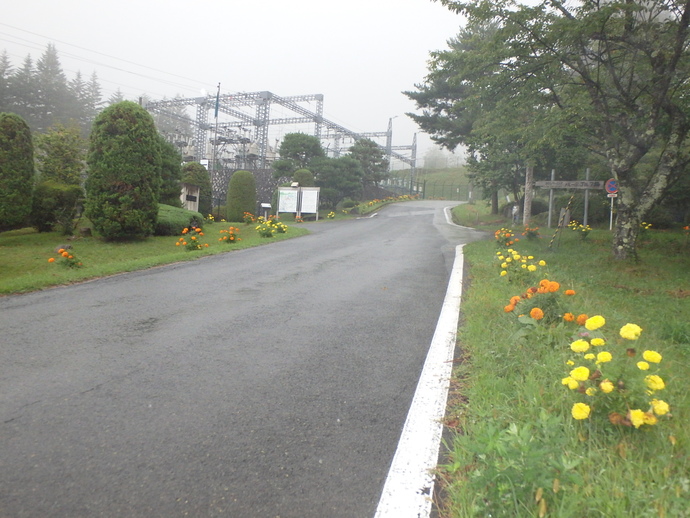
{"x": 267, "y": 382}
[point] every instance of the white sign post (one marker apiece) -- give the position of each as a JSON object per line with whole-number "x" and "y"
{"x": 298, "y": 200}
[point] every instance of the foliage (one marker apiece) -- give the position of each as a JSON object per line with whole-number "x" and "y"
{"x": 372, "y": 160}
{"x": 338, "y": 178}
{"x": 41, "y": 94}
{"x": 300, "y": 149}
{"x": 241, "y": 195}
{"x": 124, "y": 172}
{"x": 60, "y": 155}
{"x": 55, "y": 204}
{"x": 171, "y": 174}
{"x": 605, "y": 77}
{"x": 172, "y": 220}
{"x": 16, "y": 170}
{"x": 194, "y": 173}
{"x": 517, "y": 448}
{"x": 66, "y": 258}
{"x": 192, "y": 239}
{"x": 230, "y": 235}
{"x": 304, "y": 177}
{"x": 269, "y": 227}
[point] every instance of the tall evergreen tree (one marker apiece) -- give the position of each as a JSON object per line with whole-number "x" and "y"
{"x": 5, "y": 72}
{"x": 22, "y": 93}
{"x": 16, "y": 170}
{"x": 124, "y": 172}
{"x": 53, "y": 95}
{"x": 60, "y": 155}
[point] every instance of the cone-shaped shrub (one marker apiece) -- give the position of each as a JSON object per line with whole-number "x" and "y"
{"x": 124, "y": 172}
{"x": 241, "y": 195}
{"x": 16, "y": 170}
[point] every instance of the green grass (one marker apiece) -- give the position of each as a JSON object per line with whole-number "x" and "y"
{"x": 515, "y": 449}
{"x": 24, "y": 255}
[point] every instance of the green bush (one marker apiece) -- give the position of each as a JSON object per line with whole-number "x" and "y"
{"x": 304, "y": 177}
{"x": 172, "y": 220}
{"x": 16, "y": 171}
{"x": 55, "y": 204}
{"x": 124, "y": 172}
{"x": 241, "y": 195}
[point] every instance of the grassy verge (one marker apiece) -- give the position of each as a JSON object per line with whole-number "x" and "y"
{"x": 516, "y": 449}
{"x": 24, "y": 255}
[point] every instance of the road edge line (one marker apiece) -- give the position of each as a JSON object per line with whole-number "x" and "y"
{"x": 409, "y": 486}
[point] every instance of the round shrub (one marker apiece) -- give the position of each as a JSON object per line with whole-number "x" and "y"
{"x": 172, "y": 220}
{"x": 304, "y": 177}
{"x": 241, "y": 195}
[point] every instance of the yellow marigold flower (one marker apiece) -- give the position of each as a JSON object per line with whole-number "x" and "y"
{"x": 580, "y": 373}
{"x": 509, "y": 260}
{"x": 604, "y": 357}
{"x": 530, "y": 257}
{"x": 595, "y": 322}
{"x": 503, "y": 273}
{"x": 654, "y": 382}
{"x": 652, "y": 356}
{"x": 542, "y": 263}
{"x": 580, "y": 411}
{"x": 523, "y": 266}
{"x": 579, "y": 346}
{"x": 591, "y": 391}
{"x": 516, "y": 257}
{"x": 597, "y": 341}
{"x": 532, "y": 268}
{"x": 606, "y": 386}
{"x": 504, "y": 265}
{"x": 589, "y": 356}
{"x": 643, "y": 366}
{"x": 570, "y": 383}
{"x": 637, "y": 418}
{"x": 650, "y": 418}
{"x": 570, "y": 362}
{"x": 630, "y": 331}
{"x": 660, "y": 407}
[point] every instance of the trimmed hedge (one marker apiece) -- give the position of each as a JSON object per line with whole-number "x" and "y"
{"x": 241, "y": 195}
{"x": 172, "y": 220}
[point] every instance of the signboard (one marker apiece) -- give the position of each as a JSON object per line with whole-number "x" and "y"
{"x": 310, "y": 200}
{"x": 611, "y": 186}
{"x": 287, "y": 199}
{"x": 570, "y": 184}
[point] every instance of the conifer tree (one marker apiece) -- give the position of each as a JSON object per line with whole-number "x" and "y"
{"x": 16, "y": 170}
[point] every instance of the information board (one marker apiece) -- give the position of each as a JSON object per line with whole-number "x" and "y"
{"x": 310, "y": 200}
{"x": 287, "y": 199}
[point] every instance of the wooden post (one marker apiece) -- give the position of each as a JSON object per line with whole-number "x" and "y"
{"x": 529, "y": 190}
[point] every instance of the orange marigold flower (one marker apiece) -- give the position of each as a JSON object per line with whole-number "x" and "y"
{"x": 51, "y": 260}
{"x": 542, "y": 289}
{"x": 568, "y": 317}
{"x": 544, "y": 282}
{"x": 570, "y": 292}
{"x": 70, "y": 257}
{"x": 64, "y": 254}
{"x": 536, "y": 313}
{"x": 508, "y": 308}
{"x": 581, "y": 319}
{"x": 61, "y": 250}
{"x": 514, "y": 300}
{"x": 554, "y": 286}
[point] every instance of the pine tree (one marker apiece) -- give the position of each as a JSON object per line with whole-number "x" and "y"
{"x": 53, "y": 95}
{"x": 5, "y": 71}
{"x": 21, "y": 92}
{"x": 171, "y": 174}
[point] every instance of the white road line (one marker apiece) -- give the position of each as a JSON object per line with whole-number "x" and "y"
{"x": 409, "y": 487}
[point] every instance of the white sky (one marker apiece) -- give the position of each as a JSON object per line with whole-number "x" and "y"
{"x": 360, "y": 54}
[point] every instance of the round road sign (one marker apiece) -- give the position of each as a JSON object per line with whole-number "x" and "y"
{"x": 611, "y": 186}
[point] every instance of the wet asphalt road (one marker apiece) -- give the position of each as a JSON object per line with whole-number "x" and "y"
{"x": 269, "y": 382}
